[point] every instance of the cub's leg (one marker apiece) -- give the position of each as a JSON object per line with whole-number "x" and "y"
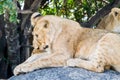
{"x": 107, "y": 53}
{"x": 33, "y": 57}
{"x": 51, "y": 60}
{"x": 95, "y": 62}
{"x": 86, "y": 64}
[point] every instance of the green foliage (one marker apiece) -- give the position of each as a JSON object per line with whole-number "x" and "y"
{"x": 79, "y": 10}
{"x": 110, "y": 0}
{"x": 9, "y": 7}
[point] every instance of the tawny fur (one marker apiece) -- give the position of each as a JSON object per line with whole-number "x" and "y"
{"x": 71, "y": 45}
{"x": 111, "y": 22}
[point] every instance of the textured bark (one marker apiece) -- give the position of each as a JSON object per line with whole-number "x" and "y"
{"x": 13, "y": 47}
{"x": 3, "y": 61}
{"x": 24, "y": 36}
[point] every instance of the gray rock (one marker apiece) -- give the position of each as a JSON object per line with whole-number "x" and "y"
{"x": 66, "y": 73}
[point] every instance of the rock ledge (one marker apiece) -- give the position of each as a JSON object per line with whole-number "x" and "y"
{"x": 66, "y": 73}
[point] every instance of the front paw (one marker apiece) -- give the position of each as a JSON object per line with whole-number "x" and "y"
{"x": 17, "y": 70}
{"x": 22, "y": 68}
{"x": 71, "y": 63}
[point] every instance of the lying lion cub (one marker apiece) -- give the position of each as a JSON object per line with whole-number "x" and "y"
{"x": 64, "y": 42}
{"x": 111, "y": 22}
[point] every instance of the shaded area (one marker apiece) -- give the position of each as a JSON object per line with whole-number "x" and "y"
{"x": 65, "y": 73}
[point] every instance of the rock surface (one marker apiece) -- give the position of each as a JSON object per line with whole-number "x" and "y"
{"x": 65, "y": 73}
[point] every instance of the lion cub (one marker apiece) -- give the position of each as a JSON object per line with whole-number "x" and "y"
{"x": 64, "y": 42}
{"x": 111, "y": 22}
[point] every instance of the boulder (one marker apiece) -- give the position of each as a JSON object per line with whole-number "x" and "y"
{"x": 67, "y": 73}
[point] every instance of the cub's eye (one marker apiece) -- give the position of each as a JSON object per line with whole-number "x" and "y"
{"x": 36, "y": 35}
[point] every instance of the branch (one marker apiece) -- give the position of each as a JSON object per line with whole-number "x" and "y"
{"x": 104, "y": 1}
{"x": 35, "y": 5}
{"x": 25, "y": 11}
{"x": 104, "y": 11}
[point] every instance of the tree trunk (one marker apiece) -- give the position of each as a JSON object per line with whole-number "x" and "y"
{"x": 25, "y": 32}
{"x": 13, "y": 47}
{"x": 3, "y": 56}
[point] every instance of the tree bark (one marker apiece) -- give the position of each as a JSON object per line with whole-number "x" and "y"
{"x": 24, "y": 35}
{"x": 13, "y": 47}
{"x": 3, "y": 56}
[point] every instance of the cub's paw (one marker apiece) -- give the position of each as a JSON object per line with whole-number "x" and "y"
{"x": 71, "y": 62}
{"x": 22, "y": 68}
{"x": 17, "y": 70}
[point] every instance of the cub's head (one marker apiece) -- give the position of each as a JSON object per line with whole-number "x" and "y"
{"x": 43, "y": 32}
{"x": 111, "y": 22}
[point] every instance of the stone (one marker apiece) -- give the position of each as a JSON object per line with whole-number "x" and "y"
{"x": 67, "y": 73}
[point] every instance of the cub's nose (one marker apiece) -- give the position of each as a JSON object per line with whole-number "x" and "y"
{"x": 46, "y": 46}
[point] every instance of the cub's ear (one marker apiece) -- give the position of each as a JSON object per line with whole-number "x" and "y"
{"x": 115, "y": 11}
{"x": 46, "y": 24}
{"x": 34, "y": 18}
